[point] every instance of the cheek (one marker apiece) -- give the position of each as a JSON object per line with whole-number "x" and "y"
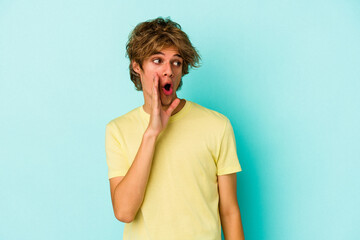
{"x": 148, "y": 75}
{"x": 178, "y": 72}
{"x": 147, "y": 82}
{"x": 178, "y": 80}
{"x": 178, "y": 75}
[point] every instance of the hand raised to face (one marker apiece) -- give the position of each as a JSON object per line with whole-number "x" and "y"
{"x": 159, "y": 117}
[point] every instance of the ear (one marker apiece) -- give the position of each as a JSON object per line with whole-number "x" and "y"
{"x": 136, "y": 67}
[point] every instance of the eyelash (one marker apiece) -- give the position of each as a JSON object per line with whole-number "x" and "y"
{"x": 176, "y": 63}
{"x": 154, "y": 60}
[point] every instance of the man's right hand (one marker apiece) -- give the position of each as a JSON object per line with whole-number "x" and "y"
{"x": 159, "y": 117}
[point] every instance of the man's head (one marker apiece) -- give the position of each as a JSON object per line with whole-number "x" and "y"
{"x": 150, "y": 37}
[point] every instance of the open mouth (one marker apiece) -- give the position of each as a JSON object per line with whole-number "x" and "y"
{"x": 167, "y": 89}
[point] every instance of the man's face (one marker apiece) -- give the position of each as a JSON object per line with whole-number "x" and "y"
{"x": 167, "y": 65}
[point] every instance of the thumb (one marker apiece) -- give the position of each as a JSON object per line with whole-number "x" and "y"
{"x": 172, "y": 107}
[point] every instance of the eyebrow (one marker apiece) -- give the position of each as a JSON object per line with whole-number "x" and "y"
{"x": 161, "y": 53}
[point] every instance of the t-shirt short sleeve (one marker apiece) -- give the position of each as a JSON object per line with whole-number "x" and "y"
{"x": 228, "y": 161}
{"x": 115, "y": 158}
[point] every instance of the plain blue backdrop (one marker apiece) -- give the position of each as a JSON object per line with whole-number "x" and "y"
{"x": 286, "y": 74}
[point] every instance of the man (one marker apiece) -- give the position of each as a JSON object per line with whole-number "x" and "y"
{"x": 172, "y": 163}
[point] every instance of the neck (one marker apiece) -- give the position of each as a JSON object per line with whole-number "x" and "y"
{"x": 147, "y": 107}
{"x": 179, "y": 107}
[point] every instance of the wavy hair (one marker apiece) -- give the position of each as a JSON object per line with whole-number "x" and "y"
{"x": 152, "y": 36}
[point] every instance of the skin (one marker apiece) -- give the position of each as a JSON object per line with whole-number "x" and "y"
{"x": 158, "y": 69}
{"x": 229, "y": 209}
{"x": 127, "y": 192}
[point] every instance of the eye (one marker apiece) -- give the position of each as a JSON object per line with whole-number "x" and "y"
{"x": 157, "y": 60}
{"x": 177, "y": 63}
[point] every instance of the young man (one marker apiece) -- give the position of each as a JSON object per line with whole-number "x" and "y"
{"x": 172, "y": 163}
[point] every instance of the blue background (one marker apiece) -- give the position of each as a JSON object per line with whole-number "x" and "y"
{"x": 286, "y": 73}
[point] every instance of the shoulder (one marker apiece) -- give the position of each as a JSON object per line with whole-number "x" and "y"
{"x": 209, "y": 117}
{"x": 208, "y": 113}
{"x": 128, "y": 118}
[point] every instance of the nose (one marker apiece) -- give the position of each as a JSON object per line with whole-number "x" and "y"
{"x": 168, "y": 71}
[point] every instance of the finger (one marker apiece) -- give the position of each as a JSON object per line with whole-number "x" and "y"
{"x": 155, "y": 98}
{"x": 172, "y": 107}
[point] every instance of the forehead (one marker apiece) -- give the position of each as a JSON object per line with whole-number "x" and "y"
{"x": 168, "y": 51}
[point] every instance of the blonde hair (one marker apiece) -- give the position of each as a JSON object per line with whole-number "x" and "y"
{"x": 152, "y": 36}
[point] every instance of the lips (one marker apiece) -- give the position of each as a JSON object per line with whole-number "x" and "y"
{"x": 167, "y": 89}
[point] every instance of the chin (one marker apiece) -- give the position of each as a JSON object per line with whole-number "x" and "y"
{"x": 167, "y": 102}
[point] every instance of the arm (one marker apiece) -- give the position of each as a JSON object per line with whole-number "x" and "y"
{"x": 229, "y": 208}
{"x": 127, "y": 192}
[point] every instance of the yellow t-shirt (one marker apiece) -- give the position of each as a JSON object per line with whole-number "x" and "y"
{"x": 181, "y": 198}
